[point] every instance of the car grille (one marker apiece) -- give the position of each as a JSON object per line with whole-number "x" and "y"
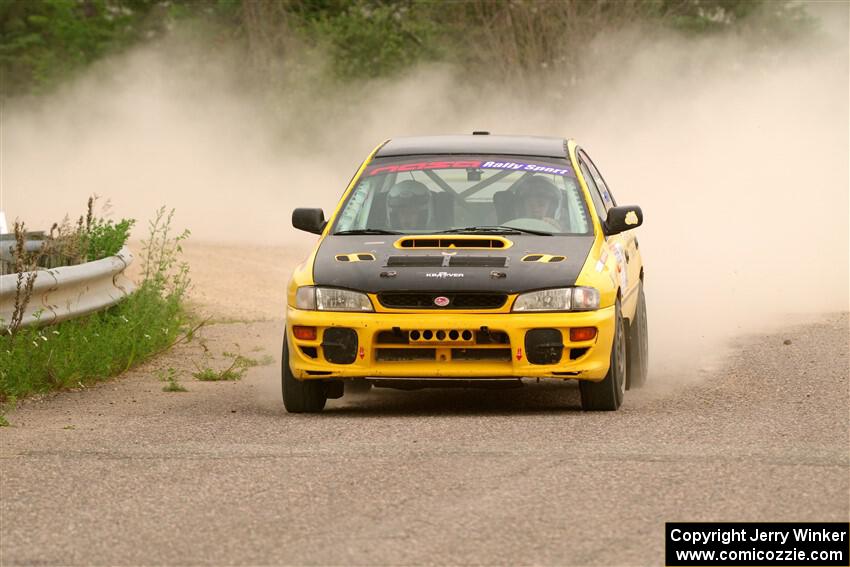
{"x": 400, "y": 300}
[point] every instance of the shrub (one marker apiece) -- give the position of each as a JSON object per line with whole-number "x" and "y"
{"x": 108, "y": 342}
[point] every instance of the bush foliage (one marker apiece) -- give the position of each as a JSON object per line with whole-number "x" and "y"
{"x": 43, "y": 42}
{"x": 106, "y": 343}
{"x": 91, "y": 238}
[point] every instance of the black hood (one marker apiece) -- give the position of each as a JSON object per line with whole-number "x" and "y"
{"x": 430, "y": 269}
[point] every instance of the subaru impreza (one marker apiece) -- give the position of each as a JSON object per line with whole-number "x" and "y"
{"x": 474, "y": 260}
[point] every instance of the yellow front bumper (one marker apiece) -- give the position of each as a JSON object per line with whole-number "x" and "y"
{"x": 591, "y": 365}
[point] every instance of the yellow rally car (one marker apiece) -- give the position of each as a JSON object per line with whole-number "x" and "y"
{"x": 469, "y": 260}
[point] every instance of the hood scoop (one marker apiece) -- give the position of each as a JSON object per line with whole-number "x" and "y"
{"x": 454, "y": 241}
{"x": 446, "y": 261}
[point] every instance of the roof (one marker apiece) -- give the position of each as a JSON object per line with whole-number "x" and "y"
{"x": 475, "y": 144}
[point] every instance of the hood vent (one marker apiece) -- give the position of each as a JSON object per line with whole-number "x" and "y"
{"x": 414, "y": 261}
{"x": 478, "y": 261}
{"x": 454, "y": 241}
{"x": 543, "y": 258}
{"x": 362, "y": 257}
{"x": 447, "y": 262}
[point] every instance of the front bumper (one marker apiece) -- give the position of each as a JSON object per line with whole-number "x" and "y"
{"x": 447, "y": 358}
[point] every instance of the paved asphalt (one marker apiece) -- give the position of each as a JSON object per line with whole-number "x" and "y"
{"x": 126, "y": 474}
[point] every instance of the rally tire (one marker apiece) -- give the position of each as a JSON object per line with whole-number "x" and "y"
{"x": 300, "y": 396}
{"x": 607, "y": 394}
{"x": 638, "y": 363}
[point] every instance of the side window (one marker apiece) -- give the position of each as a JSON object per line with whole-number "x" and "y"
{"x": 607, "y": 196}
{"x": 573, "y": 214}
{"x": 598, "y": 204}
{"x": 357, "y": 211}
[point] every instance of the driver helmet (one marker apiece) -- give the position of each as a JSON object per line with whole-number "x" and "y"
{"x": 409, "y": 205}
{"x": 538, "y": 197}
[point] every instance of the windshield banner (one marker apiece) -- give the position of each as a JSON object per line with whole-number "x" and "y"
{"x": 470, "y": 164}
{"x": 527, "y": 167}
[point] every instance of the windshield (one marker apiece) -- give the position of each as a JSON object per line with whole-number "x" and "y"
{"x": 432, "y": 194}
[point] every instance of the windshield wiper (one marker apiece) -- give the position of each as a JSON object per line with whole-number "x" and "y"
{"x": 368, "y": 231}
{"x": 497, "y": 230}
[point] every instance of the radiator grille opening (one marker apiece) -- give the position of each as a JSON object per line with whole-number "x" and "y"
{"x": 403, "y": 300}
{"x": 405, "y": 354}
{"x": 392, "y": 338}
{"x": 492, "y": 337}
{"x": 489, "y": 354}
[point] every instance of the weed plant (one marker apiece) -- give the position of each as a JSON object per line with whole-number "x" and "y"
{"x": 25, "y": 263}
{"x": 239, "y": 364}
{"x": 91, "y": 238}
{"x": 106, "y": 343}
{"x": 170, "y": 378}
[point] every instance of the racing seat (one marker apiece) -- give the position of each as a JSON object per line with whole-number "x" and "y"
{"x": 503, "y": 201}
{"x": 378, "y": 212}
{"x": 444, "y": 210}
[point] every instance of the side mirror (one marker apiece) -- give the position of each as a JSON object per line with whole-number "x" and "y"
{"x": 309, "y": 220}
{"x": 621, "y": 219}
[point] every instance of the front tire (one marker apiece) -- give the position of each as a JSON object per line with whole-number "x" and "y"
{"x": 607, "y": 394}
{"x": 300, "y": 396}
{"x": 638, "y": 364}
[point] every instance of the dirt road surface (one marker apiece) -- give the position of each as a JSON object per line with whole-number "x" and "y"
{"x": 123, "y": 473}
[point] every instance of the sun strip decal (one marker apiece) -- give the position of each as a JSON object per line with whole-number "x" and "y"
{"x": 470, "y": 164}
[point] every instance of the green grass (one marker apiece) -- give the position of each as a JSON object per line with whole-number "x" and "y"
{"x": 106, "y": 343}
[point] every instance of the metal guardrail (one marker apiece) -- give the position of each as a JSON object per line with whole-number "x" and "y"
{"x": 70, "y": 291}
{"x": 34, "y": 242}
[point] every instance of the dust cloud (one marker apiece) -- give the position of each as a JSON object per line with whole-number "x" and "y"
{"x": 738, "y": 156}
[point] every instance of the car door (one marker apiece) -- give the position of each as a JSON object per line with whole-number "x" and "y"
{"x": 623, "y": 245}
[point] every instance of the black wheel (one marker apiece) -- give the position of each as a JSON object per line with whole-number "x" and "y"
{"x": 607, "y": 394}
{"x": 638, "y": 363}
{"x": 300, "y": 396}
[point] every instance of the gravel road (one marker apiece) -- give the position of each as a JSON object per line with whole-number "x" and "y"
{"x": 123, "y": 473}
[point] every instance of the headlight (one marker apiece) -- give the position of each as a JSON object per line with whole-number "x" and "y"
{"x": 331, "y": 299}
{"x": 585, "y": 298}
{"x": 559, "y": 299}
